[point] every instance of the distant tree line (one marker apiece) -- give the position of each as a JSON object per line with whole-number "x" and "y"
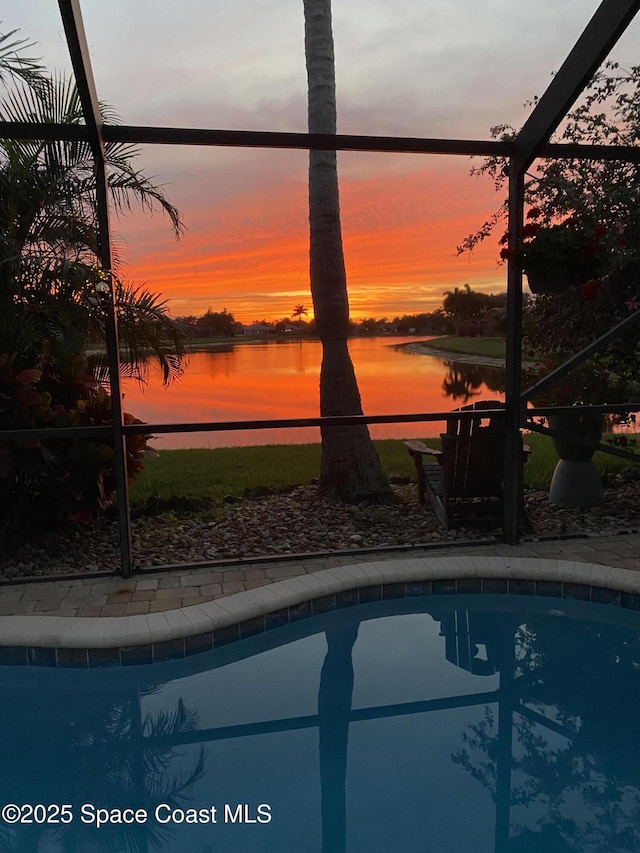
{"x": 466, "y": 309}
{"x": 212, "y": 324}
{"x": 463, "y": 311}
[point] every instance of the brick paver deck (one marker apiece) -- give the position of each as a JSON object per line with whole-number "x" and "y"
{"x": 170, "y": 591}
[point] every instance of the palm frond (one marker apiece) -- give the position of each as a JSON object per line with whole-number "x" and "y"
{"x": 71, "y": 162}
{"x": 98, "y": 366}
{"x": 13, "y": 62}
{"x": 19, "y": 332}
{"x": 146, "y": 330}
{"x": 127, "y": 184}
{"x": 48, "y": 231}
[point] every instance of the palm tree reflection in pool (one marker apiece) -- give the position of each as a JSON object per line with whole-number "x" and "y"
{"x": 118, "y": 758}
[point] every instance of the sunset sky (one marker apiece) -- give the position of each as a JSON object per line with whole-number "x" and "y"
{"x": 436, "y": 68}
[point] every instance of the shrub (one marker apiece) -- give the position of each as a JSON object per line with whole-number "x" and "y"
{"x": 469, "y": 330}
{"x": 44, "y": 482}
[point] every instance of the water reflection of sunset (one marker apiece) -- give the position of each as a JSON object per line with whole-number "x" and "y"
{"x": 278, "y": 380}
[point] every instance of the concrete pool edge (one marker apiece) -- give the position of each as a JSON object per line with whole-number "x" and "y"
{"x": 115, "y": 640}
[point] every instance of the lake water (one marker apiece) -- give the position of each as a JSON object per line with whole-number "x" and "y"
{"x": 279, "y": 379}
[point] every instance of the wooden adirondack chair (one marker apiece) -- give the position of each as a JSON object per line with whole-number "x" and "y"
{"x": 464, "y": 483}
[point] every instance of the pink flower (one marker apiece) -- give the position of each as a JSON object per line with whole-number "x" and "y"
{"x": 632, "y": 304}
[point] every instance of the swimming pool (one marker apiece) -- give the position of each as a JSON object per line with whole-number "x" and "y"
{"x": 436, "y": 723}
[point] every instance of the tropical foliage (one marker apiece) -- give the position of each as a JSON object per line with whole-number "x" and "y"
{"x": 574, "y": 251}
{"x": 54, "y": 299}
{"x": 211, "y": 324}
{"x": 14, "y": 63}
{"x": 48, "y": 233}
{"x": 591, "y": 207}
{"x": 465, "y": 306}
{"x": 44, "y": 482}
{"x": 298, "y": 312}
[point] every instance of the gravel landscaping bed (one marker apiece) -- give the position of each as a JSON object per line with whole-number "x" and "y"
{"x": 297, "y": 521}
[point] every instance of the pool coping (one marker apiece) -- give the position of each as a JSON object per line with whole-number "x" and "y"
{"x": 171, "y": 634}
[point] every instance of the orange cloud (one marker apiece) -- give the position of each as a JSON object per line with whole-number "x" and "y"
{"x": 402, "y": 220}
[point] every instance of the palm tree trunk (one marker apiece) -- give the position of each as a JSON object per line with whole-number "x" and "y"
{"x": 350, "y": 469}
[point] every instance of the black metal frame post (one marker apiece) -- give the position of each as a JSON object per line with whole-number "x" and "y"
{"x": 599, "y": 36}
{"x": 79, "y": 51}
{"x": 513, "y": 461}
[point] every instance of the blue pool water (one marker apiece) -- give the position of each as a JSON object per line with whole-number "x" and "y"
{"x": 488, "y": 724}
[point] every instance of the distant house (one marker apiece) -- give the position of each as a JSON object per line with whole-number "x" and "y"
{"x": 256, "y": 329}
{"x": 493, "y": 323}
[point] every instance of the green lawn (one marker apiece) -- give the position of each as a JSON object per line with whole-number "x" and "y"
{"x": 493, "y": 347}
{"x": 228, "y": 471}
